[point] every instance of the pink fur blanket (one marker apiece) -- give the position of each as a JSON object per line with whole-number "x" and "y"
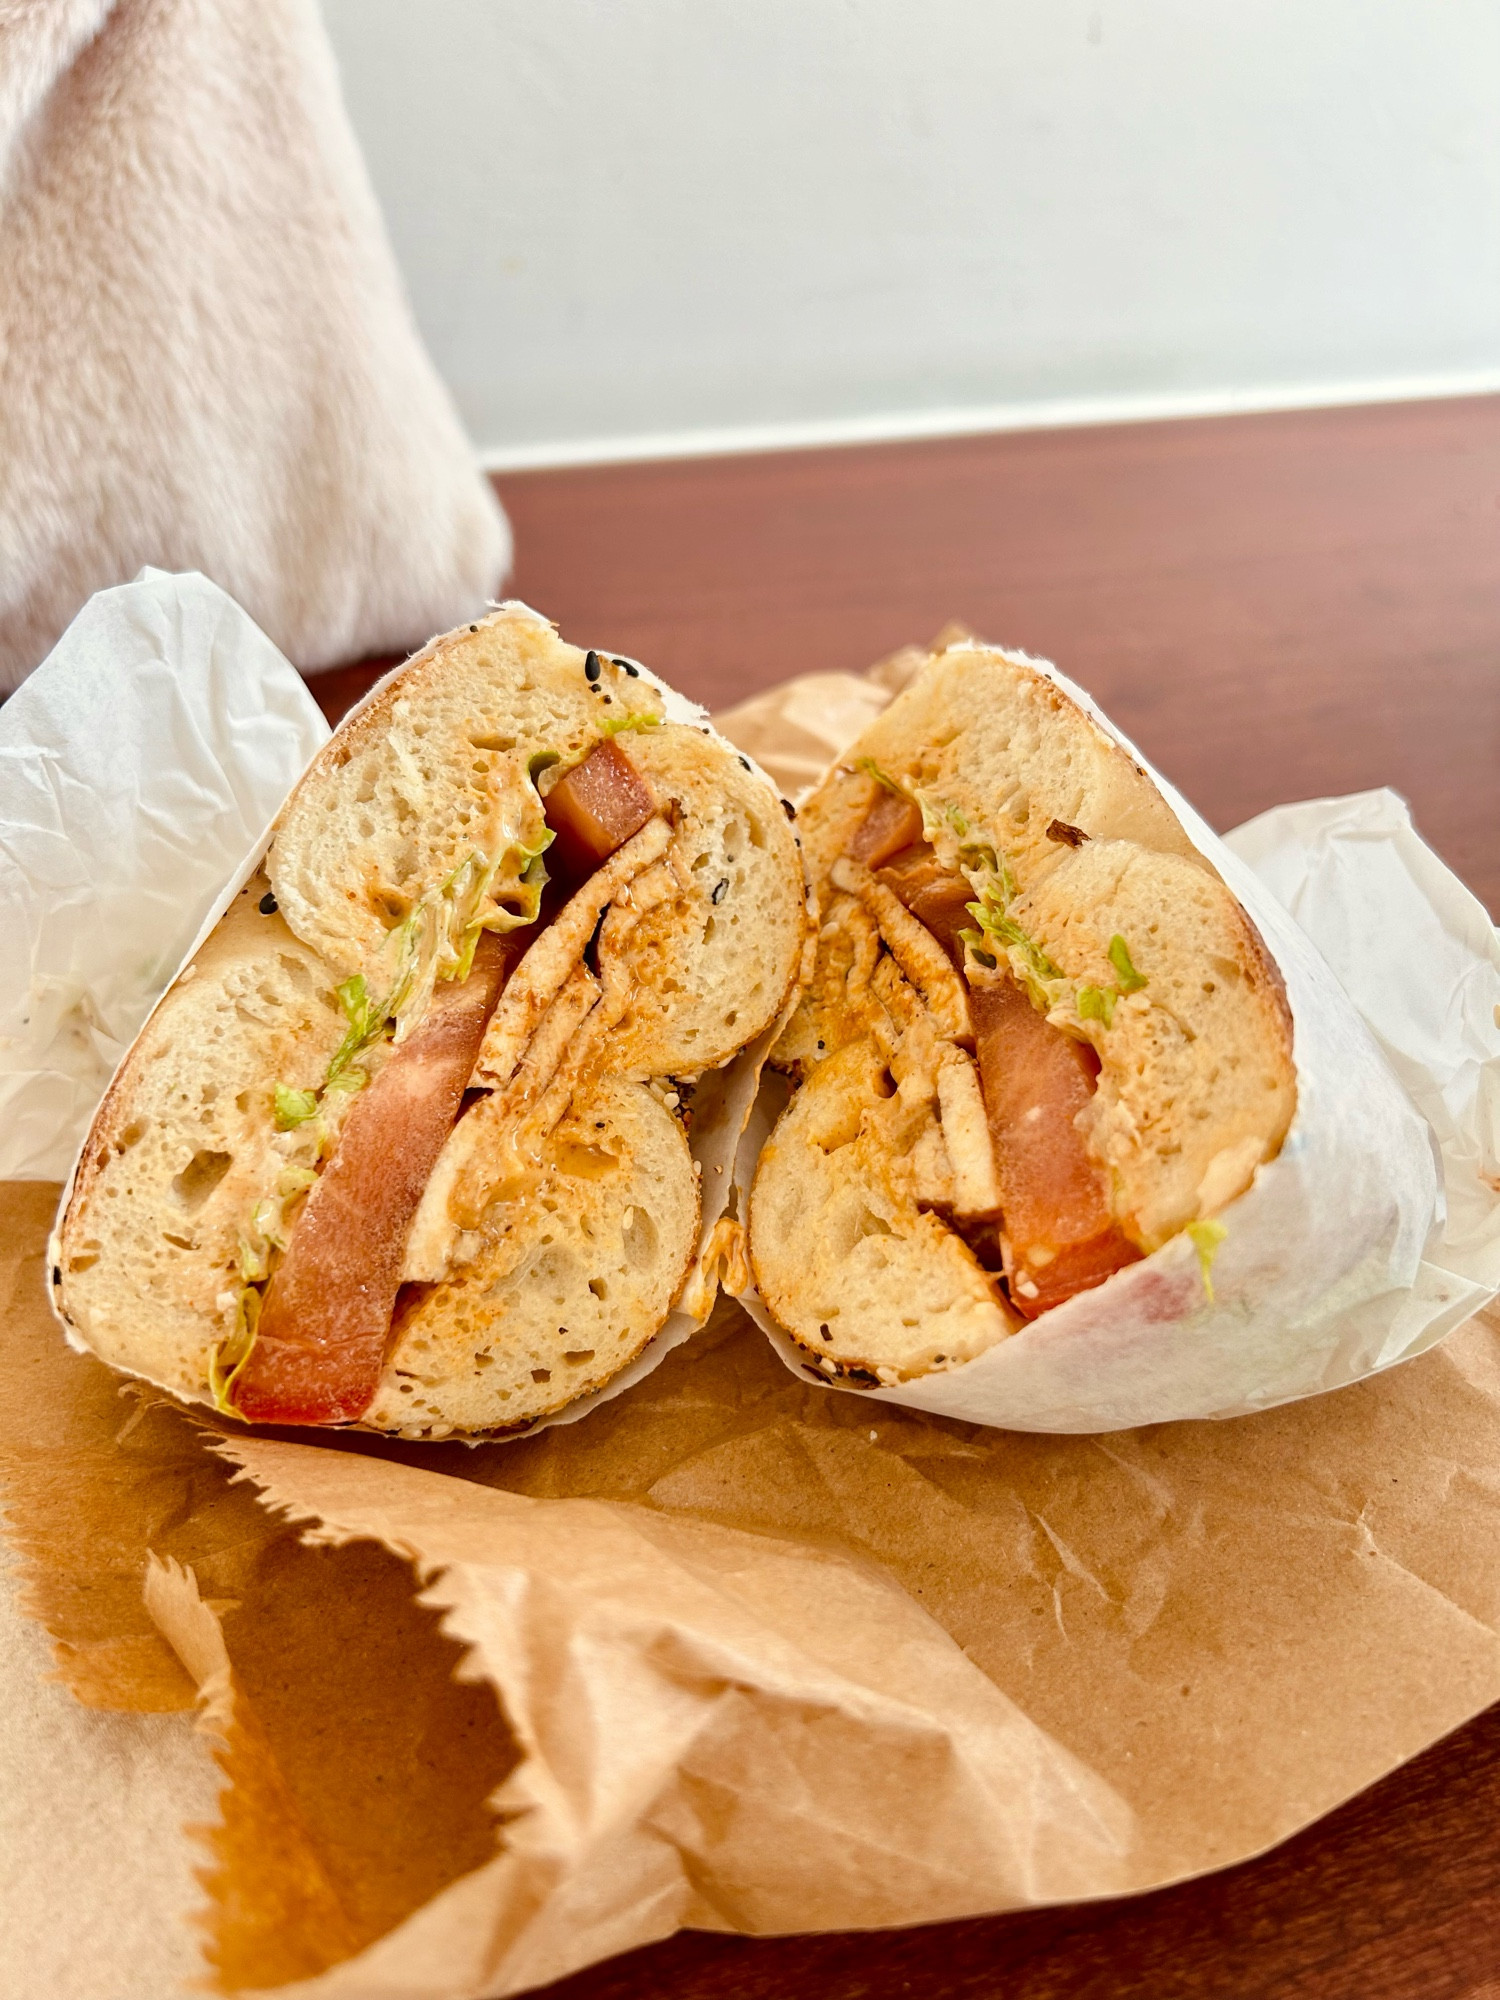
{"x": 206, "y": 357}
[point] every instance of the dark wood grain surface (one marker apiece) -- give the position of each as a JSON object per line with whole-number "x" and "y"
{"x": 1394, "y": 1897}
{"x": 1275, "y": 607}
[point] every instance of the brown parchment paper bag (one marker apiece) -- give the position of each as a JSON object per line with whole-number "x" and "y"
{"x": 733, "y": 1654}
{"x": 738, "y": 1652}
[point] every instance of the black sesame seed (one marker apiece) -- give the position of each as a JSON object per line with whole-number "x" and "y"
{"x": 630, "y": 668}
{"x": 788, "y": 808}
{"x": 720, "y": 890}
{"x": 823, "y": 1329}
{"x": 811, "y": 1368}
{"x": 268, "y": 905}
{"x": 57, "y": 1274}
{"x": 473, "y": 628}
{"x": 746, "y": 762}
{"x": 591, "y": 667}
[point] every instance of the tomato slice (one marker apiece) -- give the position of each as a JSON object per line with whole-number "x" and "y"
{"x": 326, "y": 1316}
{"x": 1059, "y": 1235}
{"x": 593, "y": 809}
{"x": 891, "y": 823}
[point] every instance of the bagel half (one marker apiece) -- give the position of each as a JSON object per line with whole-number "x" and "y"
{"x": 1041, "y": 1037}
{"x": 443, "y": 1051}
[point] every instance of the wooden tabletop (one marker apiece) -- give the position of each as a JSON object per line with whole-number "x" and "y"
{"x": 1274, "y": 607}
{"x": 1394, "y": 1897}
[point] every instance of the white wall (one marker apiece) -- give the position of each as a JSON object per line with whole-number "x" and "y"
{"x": 623, "y": 220}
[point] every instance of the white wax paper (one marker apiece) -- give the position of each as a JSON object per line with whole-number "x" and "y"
{"x": 1341, "y": 1258}
{"x": 1418, "y": 955}
{"x": 138, "y": 765}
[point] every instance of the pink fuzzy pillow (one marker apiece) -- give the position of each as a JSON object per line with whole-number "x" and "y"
{"x": 206, "y": 357}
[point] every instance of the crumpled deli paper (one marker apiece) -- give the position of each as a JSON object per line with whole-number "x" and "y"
{"x": 818, "y": 1677}
{"x": 744, "y": 1653}
{"x": 1346, "y": 1254}
{"x": 137, "y": 766}
{"x": 741, "y": 1654}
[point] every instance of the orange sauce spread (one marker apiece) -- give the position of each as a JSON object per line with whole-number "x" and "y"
{"x": 1058, "y": 1236}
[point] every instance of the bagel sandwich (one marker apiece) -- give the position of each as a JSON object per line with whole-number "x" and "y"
{"x": 413, "y": 1142}
{"x": 1041, "y": 1037}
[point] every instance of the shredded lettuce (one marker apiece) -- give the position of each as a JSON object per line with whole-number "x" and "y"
{"x": 264, "y": 1235}
{"x": 882, "y": 778}
{"x": 615, "y": 725}
{"x": 366, "y": 1024}
{"x": 266, "y": 1220}
{"x": 530, "y": 881}
{"x": 253, "y": 1259}
{"x": 1130, "y": 980}
{"x": 1097, "y": 1003}
{"x": 991, "y": 877}
{"x": 942, "y": 816}
{"x": 293, "y": 1107}
{"x": 228, "y": 1356}
{"x": 437, "y": 940}
{"x": 1002, "y": 934}
{"x": 461, "y": 901}
{"x": 1205, "y": 1236}
{"x": 975, "y": 940}
{"x": 999, "y": 936}
{"x": 469, "y": 946}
